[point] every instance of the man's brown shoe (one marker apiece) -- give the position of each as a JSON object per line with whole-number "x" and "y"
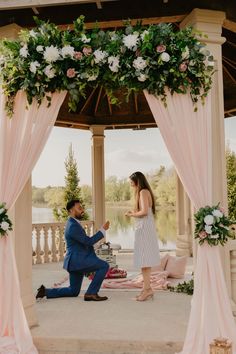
{"x": 41, "y": 292}
{"x": 94, "y": 297}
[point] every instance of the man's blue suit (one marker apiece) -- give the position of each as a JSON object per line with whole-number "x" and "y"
{"x": 80, "y": 259}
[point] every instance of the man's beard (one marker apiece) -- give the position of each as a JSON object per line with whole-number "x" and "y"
{"x": 80, "y": 216}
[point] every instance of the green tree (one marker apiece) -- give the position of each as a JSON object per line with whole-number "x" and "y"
{"x": 71, "y": 190}
{"x": 231, "y": 182}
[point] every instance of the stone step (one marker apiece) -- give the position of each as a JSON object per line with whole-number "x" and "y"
{"x": 50, "y": 345}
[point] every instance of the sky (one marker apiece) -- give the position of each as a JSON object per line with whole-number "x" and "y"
{"x": 126, "y": 151}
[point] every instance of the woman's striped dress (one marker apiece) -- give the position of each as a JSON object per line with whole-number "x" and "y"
{"x": 146, "y": 248}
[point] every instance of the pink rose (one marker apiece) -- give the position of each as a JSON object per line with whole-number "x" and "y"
{"x": 87, "y": 51}
{"x": 160, "y": 48}
{"x": 78, "y": 55}
{"x": 183, "y": 67}
{"x": 202, "y": 234}
{"x": 70, "y": 73}
{"x": 222, "y": 210}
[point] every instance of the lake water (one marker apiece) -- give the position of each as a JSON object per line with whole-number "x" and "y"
{"x": 122, "y": 228}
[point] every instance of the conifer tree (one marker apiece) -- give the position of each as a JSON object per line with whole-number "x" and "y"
{"x": 72, "y": 189}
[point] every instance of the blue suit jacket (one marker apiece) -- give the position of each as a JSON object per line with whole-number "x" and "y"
{"x": 80, "y": 253}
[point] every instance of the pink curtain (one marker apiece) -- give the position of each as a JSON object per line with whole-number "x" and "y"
{"x": 22, "y": 139}
{"x": 187, "y": 135}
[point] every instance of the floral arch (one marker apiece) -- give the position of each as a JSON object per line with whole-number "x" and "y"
{"x": 36, "y": 72}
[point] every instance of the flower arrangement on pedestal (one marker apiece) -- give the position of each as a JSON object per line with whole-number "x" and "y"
{"x": 5, "y": 222}
{"x": 132, "y": 58}
{"x": 212, "y": 226}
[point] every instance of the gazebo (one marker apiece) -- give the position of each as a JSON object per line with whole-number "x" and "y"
{"x": 97, "y": 114}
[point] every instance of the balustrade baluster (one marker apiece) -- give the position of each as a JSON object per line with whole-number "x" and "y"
{"x": 38, "y": 250}
{"x": 46, "y": 246}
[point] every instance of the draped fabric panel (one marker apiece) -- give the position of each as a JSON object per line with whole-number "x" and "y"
{"x": 188, "y": 138}
{"x": 22, "y": 139}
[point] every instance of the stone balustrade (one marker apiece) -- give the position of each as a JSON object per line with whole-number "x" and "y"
{"x": 48, "y": 244}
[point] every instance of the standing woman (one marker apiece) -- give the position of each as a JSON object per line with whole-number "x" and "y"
{"x": 146, "y": 249}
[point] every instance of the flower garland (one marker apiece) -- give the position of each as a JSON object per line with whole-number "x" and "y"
{"x": 212, "y": 226}
{"x": 5, "y": 222}
{"x": 133, "y": 58}
{"x": 187, "y": 287}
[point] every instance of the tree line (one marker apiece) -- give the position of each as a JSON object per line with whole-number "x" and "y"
{"x": 119, "y": 192}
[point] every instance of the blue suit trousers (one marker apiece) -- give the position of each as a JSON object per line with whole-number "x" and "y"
{"x": 76, "y": 277}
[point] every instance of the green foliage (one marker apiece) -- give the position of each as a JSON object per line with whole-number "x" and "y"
{"x": 185, "y": 287}
{"x": 132, "y": 58}
{"x": 231, "y": 182}
{"x": 86, "y": 193}
{"x": 212, "y": 226}
{"x": 117, "y": 190}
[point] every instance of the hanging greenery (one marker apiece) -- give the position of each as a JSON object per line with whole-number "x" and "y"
{"x": 132, "y": 58}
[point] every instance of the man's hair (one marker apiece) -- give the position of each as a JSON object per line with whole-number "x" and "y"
{"x": 72, "y": 203}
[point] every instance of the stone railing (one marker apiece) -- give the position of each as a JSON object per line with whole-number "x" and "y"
{"x": 48, "y": 244}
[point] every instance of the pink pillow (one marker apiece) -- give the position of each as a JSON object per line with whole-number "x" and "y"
{"x": 162, "y": 264}
{"x": 176, "y": 266}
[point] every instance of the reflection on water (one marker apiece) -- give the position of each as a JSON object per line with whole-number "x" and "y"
{"x": 121, "y": 230}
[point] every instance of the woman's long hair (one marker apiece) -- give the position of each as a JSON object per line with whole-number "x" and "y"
{"x": 141, "y": 182}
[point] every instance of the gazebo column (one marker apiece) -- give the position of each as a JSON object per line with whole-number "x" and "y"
{"x": 21, "y": 215}
{"x": 210, "y": 23}
{"x": 98, "y": 175}
{"x": 184, "y": 221}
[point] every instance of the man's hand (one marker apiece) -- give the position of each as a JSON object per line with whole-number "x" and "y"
{"x": 106, "y": 225}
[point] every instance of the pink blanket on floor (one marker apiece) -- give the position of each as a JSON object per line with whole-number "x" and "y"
{"x": 158, "y": 282}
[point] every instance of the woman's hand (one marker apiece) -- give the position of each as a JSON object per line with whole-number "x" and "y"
{"x": 129, "y": 213}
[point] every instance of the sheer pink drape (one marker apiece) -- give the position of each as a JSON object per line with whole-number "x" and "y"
{"x": 187, "y": 135}
{"x": 22, "y": 139}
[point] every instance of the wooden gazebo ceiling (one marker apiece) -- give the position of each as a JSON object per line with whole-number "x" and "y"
{"x": 96, "y": 108}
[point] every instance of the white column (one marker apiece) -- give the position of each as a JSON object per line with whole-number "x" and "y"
{"x": 184, "y": 221}
{"x": 210, "y": 23}
{"x": 21, "y": 215}
{"x": 98, "y": 175}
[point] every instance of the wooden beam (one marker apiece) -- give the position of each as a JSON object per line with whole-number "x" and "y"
{"x": 120, "y": 23}
{"x": 20, "y": 4}
{"x": 229, "y": 25}
{"x": 230, "y": 75}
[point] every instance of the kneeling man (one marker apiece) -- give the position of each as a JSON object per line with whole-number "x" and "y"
{"x": 80, "y": 258}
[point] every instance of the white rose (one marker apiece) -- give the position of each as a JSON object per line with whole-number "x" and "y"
{"x": 49, "y": 71}
{"x": 4, "y": 225}
{"x": 67, "y": 50}
{"x": 185, "y": 54}
{"x": 51, "y": 54}
{"x": 100, "y": 56}
{"x": 145, "y": 33}
{"x": 39, "y": 48}
{"x": 217, "y": 213}
{"x": 142, "y": 77}
{"x": 84, "y": 39}
{"x": 165, "y": 57}
{"x": 2, "y": 210}
{"x": 209, "y": 220}
{"x": 139, "y": 63}
{"x": 208, "y": 229}
{"x": 24, "y": 51}
{"x": 130, "y": 41}
{"x": 114, "y": 63}
{"x": 33, "y": 66}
